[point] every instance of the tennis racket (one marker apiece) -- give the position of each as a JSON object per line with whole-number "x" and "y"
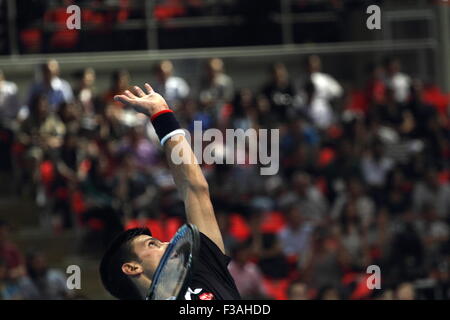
{"x": 175, "y": 269}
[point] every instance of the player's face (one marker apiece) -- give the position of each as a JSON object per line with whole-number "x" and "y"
{"x": 150, "y": 251}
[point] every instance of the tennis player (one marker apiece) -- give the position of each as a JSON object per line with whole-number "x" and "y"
{"x": 129, "y": 263}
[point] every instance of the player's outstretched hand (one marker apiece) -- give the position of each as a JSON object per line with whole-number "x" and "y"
{"x": 148, "y": 102}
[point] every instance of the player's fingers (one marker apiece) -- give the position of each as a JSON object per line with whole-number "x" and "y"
{"x": 139, "y": 91}
{"x": 149, "y": 89}
{"x": 123, "y": 98}
{"x": 129, "y": 94}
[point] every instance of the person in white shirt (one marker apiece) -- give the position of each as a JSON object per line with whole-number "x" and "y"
{"x": 326, "y": 86}
{"x": 376, "y": 166}
{"x": 296, "y": 236}
{"x": 317, "y": 91}
{"x": 318, "y": 109}
{"x": 216, "y": 88}
{"x": 9, "y": 102}
{"x": 247, "y": 274}
{"x": 174, "y": 89}
{"x": 399, "y": 82}
{"x": 56, "y": 89}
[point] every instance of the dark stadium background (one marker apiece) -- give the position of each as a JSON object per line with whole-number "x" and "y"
{"x": 369, "y": 185}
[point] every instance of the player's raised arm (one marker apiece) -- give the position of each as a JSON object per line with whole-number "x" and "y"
{"x": 188, "y": 176}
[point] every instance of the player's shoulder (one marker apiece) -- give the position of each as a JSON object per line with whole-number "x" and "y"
{"x": 209, "y": 247}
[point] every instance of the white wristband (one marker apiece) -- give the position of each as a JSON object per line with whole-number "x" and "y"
{"x": 171, "y": 134}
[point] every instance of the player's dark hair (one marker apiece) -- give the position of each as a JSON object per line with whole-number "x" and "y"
{"x": 119, "y": 252}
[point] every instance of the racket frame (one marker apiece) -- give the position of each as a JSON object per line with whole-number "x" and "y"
{"x": 193, "y": 256}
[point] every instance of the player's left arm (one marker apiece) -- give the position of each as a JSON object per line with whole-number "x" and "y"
{"x": 188, "y": 175}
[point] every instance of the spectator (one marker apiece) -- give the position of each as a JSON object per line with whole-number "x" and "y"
{"x": 248, "y": 277}
{"x": 375, "y": 169}
{"x": 325, "y": 86}
{"x": 281, "y": 93}
{"x": 324, "y": 267}
{"x": 50, "y": 84}
{"x": 85, "y": 92}
{"x": 318, "y": 91}
{"x": 353, "y": 236}
{"x": 344, "y": 163}
{"x": 405, "y": 291}
{"x": 356, "y": 194}
{"x": 9, "y": 108}
{"x": 433, "y": 230}
{"x": 174, "y": 89}
{"x": 216, "y": 88}
{"x": 71, "y": 116}
{"x": 120, "y": 81}
{"x": 10, "y": 288}
{"x": 10, "y": 254}
{"x": 297, "y": 290}
{"x": 9, "y": 101}
{"x": 431, "y": 190}
{"x": 328, "y": 293}
{"x": 317, "y": 109}
{"x": 375, "y": 89}
{"x": 295, "y": 238}
{"x": 380, "y": 236}
{"x": 139, "y": 148}
{"x": 398, "y": 199}
{"x": 397, "y": 81}
{"x": 133, "y": 187}
{"x": 245, "y": 113}
{"x": 386, "y": 295}
{"x": 407, "y": 257}
{"x": 298, "y": 147}
{"x": 394, "y": 115}
{"x": 108, "y": 124}
{"x": 309, "y": 199}
{"x": 43, "y": 283}
{"x": 267, "y": 249}
{"x": 42, "y": 129}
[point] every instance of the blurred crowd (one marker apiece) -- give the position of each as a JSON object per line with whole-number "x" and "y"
{"x": 28, "y": 277}
{"x": 363, "y": 180}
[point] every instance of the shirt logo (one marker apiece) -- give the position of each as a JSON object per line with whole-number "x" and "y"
{"x": 206, "y": 296}
{"x": 189, "y": 292}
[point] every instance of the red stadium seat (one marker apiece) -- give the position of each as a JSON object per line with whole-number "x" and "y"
{"x": 63, "y": 38}
{"x": 276, "y": 288}
{"x": 163, "y": 230}
{"x": 157, "y": 229}
{"x": 134, "y": 223}
{"x": 239, "y": 227}
{"x": 273, "y": 222}
{"x": 434, "y": 96}
{"x": 362, "y": 291}
{"x": 31, "y": 39}
{"x": 172, "y": 225}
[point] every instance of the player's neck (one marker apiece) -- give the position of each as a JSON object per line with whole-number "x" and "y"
{"x": 143, "y": 284}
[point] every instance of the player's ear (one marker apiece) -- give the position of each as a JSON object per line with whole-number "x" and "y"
{"x": 132, "y": 268}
